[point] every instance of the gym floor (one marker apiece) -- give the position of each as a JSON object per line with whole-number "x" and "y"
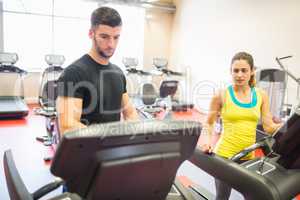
{"x": 19, "y": 136}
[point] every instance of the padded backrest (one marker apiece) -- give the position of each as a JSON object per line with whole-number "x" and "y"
{"x": 49, "y": 94}
{"x": 15, "y": 185}
{"x": 148, "y": 94}
{"x": 48, "y": 91}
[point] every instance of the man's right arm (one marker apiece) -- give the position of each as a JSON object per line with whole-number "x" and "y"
{"x": 69, "y": 111}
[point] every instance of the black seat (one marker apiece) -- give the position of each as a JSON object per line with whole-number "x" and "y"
{"x": 16, "y": 188}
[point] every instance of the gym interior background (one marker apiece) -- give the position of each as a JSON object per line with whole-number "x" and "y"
{"x": 198, "y": 38}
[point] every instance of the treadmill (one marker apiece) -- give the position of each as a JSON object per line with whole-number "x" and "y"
{"x": 275, "y": 176}
{"x": 12, "y": 104}
{"x": 118, "y": 160}
{"x": 139, "y": 160}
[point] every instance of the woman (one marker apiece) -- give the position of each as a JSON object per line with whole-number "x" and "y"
{"x": 241, "y": 105}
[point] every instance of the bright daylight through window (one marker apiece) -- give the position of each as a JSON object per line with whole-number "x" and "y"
{"x": 34, "y": 28}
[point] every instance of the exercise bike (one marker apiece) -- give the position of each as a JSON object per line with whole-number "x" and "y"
{"x": 141, "y": 89}
{"x": 47, "y": 98}
{"x": 170, "y": 84}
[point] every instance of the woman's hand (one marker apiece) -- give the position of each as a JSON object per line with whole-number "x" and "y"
{"x": 206, "y": 148}
{"x": 276, "y": 120}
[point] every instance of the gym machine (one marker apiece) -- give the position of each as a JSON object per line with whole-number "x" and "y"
{"x": 12, "y": 103}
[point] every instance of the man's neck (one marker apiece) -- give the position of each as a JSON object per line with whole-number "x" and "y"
{"x": 95, "y": 56}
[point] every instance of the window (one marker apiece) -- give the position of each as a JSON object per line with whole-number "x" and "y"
{"x": 65, "y": 32}
{"x": 131, "y": 42}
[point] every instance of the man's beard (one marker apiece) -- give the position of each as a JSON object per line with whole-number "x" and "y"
{"x": 100, "y": 52}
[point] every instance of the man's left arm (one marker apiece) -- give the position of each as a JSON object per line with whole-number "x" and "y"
{"x": 128, "y": 110}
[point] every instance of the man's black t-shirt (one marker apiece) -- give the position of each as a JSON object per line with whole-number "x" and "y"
{"x": 99, "y": 86}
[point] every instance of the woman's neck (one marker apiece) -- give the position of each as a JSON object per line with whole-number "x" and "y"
{"x": 241, "y": 89}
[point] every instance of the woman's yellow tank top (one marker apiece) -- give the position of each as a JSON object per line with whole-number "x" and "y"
{"x": 239, "y": 121}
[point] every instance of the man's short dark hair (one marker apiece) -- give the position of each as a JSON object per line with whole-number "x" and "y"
{"x": 106, "y": 16}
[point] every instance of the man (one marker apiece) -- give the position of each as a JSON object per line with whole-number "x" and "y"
{"x": 92, "y": 90}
